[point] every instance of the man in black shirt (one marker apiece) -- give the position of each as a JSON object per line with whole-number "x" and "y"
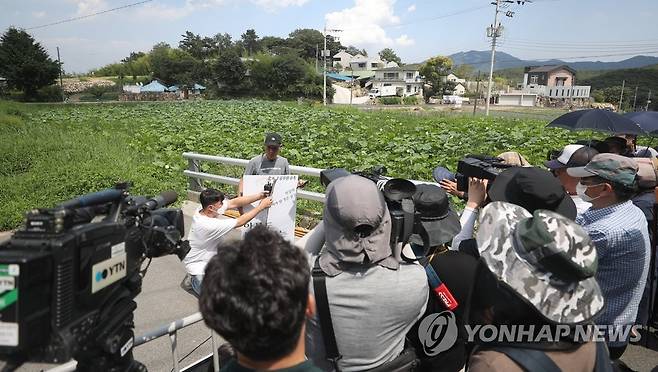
{"x": 255, "y": 295}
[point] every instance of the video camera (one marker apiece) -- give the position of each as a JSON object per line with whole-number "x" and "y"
{"x": 398, "y": 193}
{"x": 68, "y": 283}
{"x": 478, "y": 166}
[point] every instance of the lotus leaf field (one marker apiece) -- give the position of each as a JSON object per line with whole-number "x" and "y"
{"x": 50, "y": 153}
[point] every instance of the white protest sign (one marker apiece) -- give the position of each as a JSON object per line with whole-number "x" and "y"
{"x": 280, "y": 217}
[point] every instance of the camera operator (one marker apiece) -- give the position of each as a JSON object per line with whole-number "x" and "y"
{"x": 207, "y": 230}
{"x": 256, "y": 296}
{"x": 373, "y": 298}
{"x": 529, "y": 187}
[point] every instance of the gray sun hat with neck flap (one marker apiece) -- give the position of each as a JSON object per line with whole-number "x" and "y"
{"x": 357, "y": 226}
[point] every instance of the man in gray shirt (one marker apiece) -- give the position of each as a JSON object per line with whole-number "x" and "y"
{"x": 373, "y": 298}
{"x": 269, "y": 162}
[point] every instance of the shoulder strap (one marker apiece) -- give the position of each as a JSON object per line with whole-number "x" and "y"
{"x": 603, "y": 363}
{"x": 322, "y": 304}
{"x": 529, "y": 359}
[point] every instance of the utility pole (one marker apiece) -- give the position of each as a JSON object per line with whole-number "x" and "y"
{"x": 325, "y": 53}
{"x": 494, "y": 32}
{"x": 635, "y": 98}
{"x": 61, "y": 83}
{"x": 477, "y": 94}
{"x": 621, "y": 97}
{"x": 646, "y": 108}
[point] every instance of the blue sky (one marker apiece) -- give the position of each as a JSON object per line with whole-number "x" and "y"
{"x": 416, "y": 29}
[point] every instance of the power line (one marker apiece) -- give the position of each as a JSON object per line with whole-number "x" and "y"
{"x": 89, "y": 15}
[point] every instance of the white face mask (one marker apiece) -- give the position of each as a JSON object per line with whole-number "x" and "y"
{"x": 221, "y": 209}
{"x": 580, "y": 191}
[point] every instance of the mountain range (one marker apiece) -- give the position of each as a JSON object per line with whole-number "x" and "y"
{"x": 480, "y": 60}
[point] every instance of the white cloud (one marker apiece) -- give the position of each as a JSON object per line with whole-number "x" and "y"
{"x": 411, "y": 8}
{"x": 38, "y": 14}
{"x": 364, "y": 24}
{"x": 404, "y": 40}
{"x": 90, "y": 6}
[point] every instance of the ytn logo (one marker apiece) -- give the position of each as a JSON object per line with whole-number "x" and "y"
{"x": 438, "y": 332}
{"x": 112, "y": 270}
{"x": 106, "y": 272}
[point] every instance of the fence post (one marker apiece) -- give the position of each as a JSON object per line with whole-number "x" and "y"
{"x": 174, "y": 351}
{"x": 195, "y": 183}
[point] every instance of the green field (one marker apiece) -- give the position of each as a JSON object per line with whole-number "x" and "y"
{"x": 49, "y": 153}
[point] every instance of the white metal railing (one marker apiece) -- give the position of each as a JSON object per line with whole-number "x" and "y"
{"x": 170, "y": 329}
{"x": 195, "y": 175}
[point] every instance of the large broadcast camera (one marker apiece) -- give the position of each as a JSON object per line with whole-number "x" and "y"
{"x": 478, "y": 166}
{"x": 68, "y": 283}
{"x": 398, "y": 193}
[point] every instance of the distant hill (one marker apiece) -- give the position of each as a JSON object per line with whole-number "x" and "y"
{"x": 607, "y": 86}
{"x": 480, "y": 60}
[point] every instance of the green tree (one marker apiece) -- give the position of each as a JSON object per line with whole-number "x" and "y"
{"x": 305, "y": 41}
{"x": 220, "y": 43}
{"x": 250, "y": 42}
{"x": 388, "y": 55}
{"x": 176, "y": 66}
{"x": 434, "y": 71}
{"x": 228, "y": 71}
{"x": 274, "y": 45}
{"x": 25, "y": 63}
{"x": 197, "y": 46}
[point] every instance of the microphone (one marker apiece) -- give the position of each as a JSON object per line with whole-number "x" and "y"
{"x": 165, "y": 198}
{"x": 100, "y": 197}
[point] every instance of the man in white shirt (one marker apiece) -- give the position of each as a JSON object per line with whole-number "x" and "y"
{"x": 208, "y": 230}
{"x": 571, "y": 156}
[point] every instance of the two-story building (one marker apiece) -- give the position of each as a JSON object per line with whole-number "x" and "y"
{"x": 554, "y": 82}
{"x": 407, "y": 78}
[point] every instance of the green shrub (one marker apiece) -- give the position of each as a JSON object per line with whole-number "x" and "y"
{"x": 390, "y": 100}
{"x": 51, "y": 93}
{"x": 410, "y": 100}
{"x": 98, "y": 90}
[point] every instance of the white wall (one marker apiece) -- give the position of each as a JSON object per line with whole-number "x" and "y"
{"x": 526, "y": 100}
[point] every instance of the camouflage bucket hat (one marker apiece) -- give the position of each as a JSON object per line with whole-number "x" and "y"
{"x": 611, "y": 167}
{"x": 547, "y": 259}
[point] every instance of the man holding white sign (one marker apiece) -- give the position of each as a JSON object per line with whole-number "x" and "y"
{"x": 208, "y": 229}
